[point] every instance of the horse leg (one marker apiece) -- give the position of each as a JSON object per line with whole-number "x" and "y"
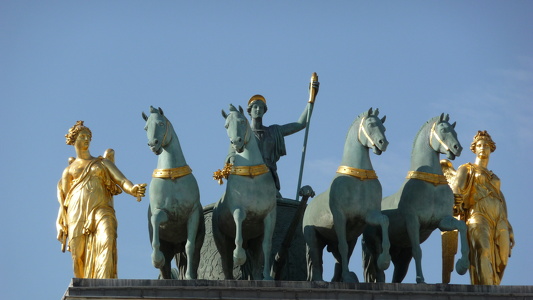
{"x": 190, "y": 245}
{"x": 200, "y": 235}
{"x": 224, "y": 246}
{"x": 375, "y": 218}
{"x": 313, "y": 254}
{"x": 239, "y": 255}
{"x": 450, "y": 223}
{"x": 413, "y": 231}
{"x": 158, "y": 217}
{"x": 269, "y": 224}
{"x": 253, "y": 268}
{"x": 165, "y": 271}
{"x": 333, "y": 248}
{"x": 339, "y": 221}
{"x": 337, "y": 273}
{"x": 401, "y": 258}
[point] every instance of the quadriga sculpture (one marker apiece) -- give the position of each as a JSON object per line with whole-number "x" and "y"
{"x": 245, "y": 216}
{"x": 422, "y": 204}
{"x": 337, "y": 217}
{"x": 175, "y": 215}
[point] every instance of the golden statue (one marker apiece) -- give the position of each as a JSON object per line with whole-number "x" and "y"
{"x": 86, "y": 215}
{"x": 482, "y": 205}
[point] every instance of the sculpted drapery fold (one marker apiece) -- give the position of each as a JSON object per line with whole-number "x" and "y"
{"x": 490, "y": 235}
{"x": 91, "y": 221}
{"x": 86, "y": 220}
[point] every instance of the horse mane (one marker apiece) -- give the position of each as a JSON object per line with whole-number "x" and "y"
{"x": 154, "y": 110}
{"x": 364, "y": 114}
{"x": 430, "y": 121}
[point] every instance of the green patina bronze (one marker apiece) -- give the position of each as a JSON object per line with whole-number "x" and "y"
{"x": 175, "y": 215}
{"x": 244, "y": 218}
{"x": 337, "y": 217}
{"x": 422, "y": 204}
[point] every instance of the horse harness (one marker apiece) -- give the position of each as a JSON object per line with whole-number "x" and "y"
{"x": 361, "y": 174}
{"x": 435, "y": 179}
{"x": 433, "y": 133}
{"x": 230, "y": 169}
{"x": 172, "y": 173}
{"x": 362, "y": 129}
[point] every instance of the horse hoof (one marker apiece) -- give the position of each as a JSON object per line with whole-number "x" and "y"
{"x": 239, "y": 261}
{"x": 268, "y": 278}
{"x": 189, "y": 276}
{"x": 462, "y": 266}
{"x": 158, "y": 259}
{"x": 175, "y": 274}
{"x": 239, "y": 257}
{"x": 420, "y": 279}
{"x": 383, "y": 261}
{"x": 350, "y": 277}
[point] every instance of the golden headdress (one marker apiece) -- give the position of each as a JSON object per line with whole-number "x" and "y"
{"x": 257, "y": 97}
{"x": 482, "y": 135}
{"x": 74, "y": 130}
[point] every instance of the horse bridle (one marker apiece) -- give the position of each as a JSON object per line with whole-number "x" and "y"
{"x": 433, "y": 133}
{"x": 362, "y": 128}
{"x": 247, "y": 134}
{"x": 165, "y": 135}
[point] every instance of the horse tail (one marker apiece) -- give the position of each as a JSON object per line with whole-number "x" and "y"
{"x": 181, "y": 262}
{"x": 370, "y": 254}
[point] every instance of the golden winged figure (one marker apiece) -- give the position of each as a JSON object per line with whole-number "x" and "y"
{"x": 481, "y": 204}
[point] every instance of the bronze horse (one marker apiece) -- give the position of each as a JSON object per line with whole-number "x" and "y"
{"x": 175, "y": 215}
{"x": 244, "y": 218}
{"x": 422, "y": 204}
{"x": 337, "y": 217}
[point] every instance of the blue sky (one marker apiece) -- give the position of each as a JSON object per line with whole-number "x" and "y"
{"x": 106, "y": 62}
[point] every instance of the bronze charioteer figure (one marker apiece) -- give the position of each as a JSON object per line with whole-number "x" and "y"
{"x": 271, "y": 139}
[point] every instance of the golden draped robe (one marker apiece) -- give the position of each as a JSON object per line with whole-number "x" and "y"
{"x": 86, "y": 210}
{"x": 488, "y": 227}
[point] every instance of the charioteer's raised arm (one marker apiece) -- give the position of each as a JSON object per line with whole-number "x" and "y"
{"x": 291, "y": 128}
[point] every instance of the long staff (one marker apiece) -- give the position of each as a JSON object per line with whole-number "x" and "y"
{"x": 313, "y": 91}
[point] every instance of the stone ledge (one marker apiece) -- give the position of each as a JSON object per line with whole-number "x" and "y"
{"x": 126, "y": 289}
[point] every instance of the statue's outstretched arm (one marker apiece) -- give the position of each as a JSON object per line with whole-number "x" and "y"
{"x": 136, "y": 190}
{"x": 294, "y": 127}
{"x": 291, "y": 128}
